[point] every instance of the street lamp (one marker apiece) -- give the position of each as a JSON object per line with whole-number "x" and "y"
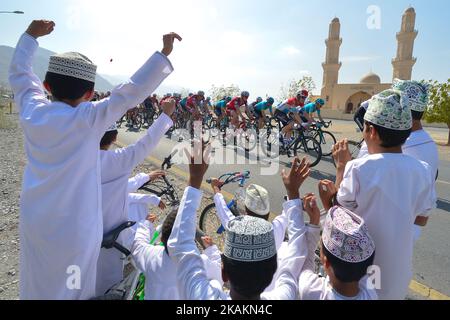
{"x": 16, "y": 12}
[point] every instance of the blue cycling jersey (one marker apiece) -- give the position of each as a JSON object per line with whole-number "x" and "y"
{"x": 221, "y": 104}
{"x": 311, "y": 108}
{"x": 183, "y": 102}
{"x": 263, "y": 106}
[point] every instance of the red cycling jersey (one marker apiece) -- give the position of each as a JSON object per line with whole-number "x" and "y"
{"x": 294, "y": 102}
{"x": 193, "y": 101}
{"x": 235, "y": 103}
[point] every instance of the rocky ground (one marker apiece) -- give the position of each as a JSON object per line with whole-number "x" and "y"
{"x": 12, "y": 161}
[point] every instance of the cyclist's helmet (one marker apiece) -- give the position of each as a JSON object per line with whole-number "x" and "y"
{"x": 201, "y": 93}
{"x": 320, "y": 101}
{"x": 168, "y": 95}
{"x": 191, "y": 94}
{"x": 228, "y": 99}
{"x": 270, "y": 100}
{"x": 259, "y": 99}
{"x": 304, "y": 93}
{"x": 245, "y": 94}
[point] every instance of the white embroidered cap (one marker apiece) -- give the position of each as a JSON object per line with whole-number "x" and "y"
{"x": 249, "y": 239}
{"x": 73, "y": 64}
{"x": 387, "y": 110}
{"x": 414, "y": 94}
{"x": 345, "y": 236}
{"x": 112, "y": 128}
{"x": 257, "y": 200}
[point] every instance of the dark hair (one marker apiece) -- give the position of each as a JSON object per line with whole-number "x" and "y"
{"x": 346, "y": 271}
{"x": 252, "y": 214}
{"x": 167, "y": 228}
{"x": 416, "y": 115}
{"x": 250, "y": 279}
{"x": 65, "y": 87}
{"x": 108, "y": 138}
{"x": 390, "y": 138}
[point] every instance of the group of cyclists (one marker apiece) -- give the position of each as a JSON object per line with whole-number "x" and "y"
{"x": 293, "y": 113}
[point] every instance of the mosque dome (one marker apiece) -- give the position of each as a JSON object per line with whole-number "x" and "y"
{"x": 370, "y": 78}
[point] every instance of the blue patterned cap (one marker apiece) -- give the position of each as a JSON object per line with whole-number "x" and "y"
{"x": 387, "y": 110}
{"x": 414, "y": 94}
{"x": 249, "y": 239}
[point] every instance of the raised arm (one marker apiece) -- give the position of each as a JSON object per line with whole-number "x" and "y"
{"x": 142, "y": 249}
{"x": 27, "y": 87}
{"x": 104, "y": 113}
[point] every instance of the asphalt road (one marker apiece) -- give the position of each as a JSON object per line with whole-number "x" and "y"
{"x": 432, "y": 252}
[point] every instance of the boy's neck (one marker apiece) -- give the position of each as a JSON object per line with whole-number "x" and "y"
{"x": 417, "y": 125}
{"x": 349, "y": 290}
{"x": 374, "y": 149}
{"x": 236, "y": 296}
{"x": 73, "y": 103}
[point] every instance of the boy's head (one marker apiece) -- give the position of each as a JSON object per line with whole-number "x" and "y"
{"x": 249, "y": 258}
{"x": 347, "y": 247}
{"x": 387, "y": 121}
{"x": 109, "y": 137}
{"x": 167, "y": 228}
{"x": 414, "y": 94}
{"x": 70, "y": 76}
{"x": 257, "y": 202}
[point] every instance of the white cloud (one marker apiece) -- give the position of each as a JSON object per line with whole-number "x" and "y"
{"x": 291, "y": 50}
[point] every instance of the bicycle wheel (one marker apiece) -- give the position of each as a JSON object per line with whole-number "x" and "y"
{"x": 327, "y": 140}
{"x": 310, "y": 148}
{"x": 210, "y": 224}
{"x": 137, "y": 122}
{"x": 248, "y": 140}
{"x": 270, "y": 144}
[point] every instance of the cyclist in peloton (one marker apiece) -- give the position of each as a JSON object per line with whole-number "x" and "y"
{"x": 193, "y": 104}
{"x": 250, "y": 110}
{"x": 308, "y": 111}
{"x": 261, "y": 109}
{"x": 288, "y": 114}
{"x": 219, "y": 108}
{"x": 234, "y": 108}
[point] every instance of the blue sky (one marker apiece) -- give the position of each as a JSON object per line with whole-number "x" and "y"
{"x": 257, "y": 44}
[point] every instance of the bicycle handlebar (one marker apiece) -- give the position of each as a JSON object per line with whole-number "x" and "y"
{"x": 234, "y": 177}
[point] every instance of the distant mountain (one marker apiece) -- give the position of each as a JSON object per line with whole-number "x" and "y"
{"x": 40, "y": 65}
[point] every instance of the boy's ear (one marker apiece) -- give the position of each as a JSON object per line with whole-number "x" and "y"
{"x": 224, "y": 276}
{"x": 89, "y": 95}
{"x": 47, "y": 87}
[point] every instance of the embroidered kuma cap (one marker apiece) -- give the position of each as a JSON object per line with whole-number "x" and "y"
{"x": 414, "y": 94}
{"x": 345, "y": 236}
{"x": 249, "y": 239}
{"x": 257, "y": 200}
{"x": 73, "y": 64}
{"x": 388, "y": 111}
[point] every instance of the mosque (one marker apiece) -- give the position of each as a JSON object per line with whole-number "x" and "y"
{"x": 347, "y": 97}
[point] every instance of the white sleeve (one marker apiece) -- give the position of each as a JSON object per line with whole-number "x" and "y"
{"x": 349, "y": 189}
{"x": 280, "y": 224}
{"x": 213, "y": 263}
{"x": 310, "y": 283}
{"x": 137, "y": 181}
{"x": 122, "y": 161}
{"x": 150, "y": 200}
{"x": 141, "y": 249}
{"x": 193, "y": 283}
{"x": 427, "y": 199}
{"x": 223, "y": 212}
{"x": 286, "y": 285}
{"x": 26, "y": 86}
{"x": 104, "y": 113}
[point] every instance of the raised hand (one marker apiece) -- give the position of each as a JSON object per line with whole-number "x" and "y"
{"x": 151, "y": 217}
{"x": 198, "y": 162}
{"x": 311, "y": 208}
{"x": 40, "y": 28}
{"x": 327, "y": 191}
{"x": 155, "y": 175}
{"x": 168, "y": 107}
{"x": 207, "y": 242}
{"x": 295, "y": 178}
{"x": 168, "y": 40}
{"x": 216, "y": 185}
{"x": 341, "y": 154}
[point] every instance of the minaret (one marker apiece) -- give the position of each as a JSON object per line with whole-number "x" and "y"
{"x": 404, "y": 61}
{"x": 331, "y": 65}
